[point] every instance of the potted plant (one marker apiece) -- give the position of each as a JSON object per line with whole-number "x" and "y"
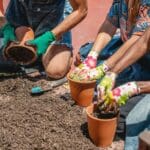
{"x": 102, "y": 122}
{"x": 82, "y": 92}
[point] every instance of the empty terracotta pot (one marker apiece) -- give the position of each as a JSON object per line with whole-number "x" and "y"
{"x": 82, "y": 92}
{"x": 19, "y": 51}
{"x": 101, "y": 131}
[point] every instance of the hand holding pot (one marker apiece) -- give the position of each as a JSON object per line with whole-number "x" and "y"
{"x": 121, "y": 94}
{"x": 106, "y": 85}
{"x": 89, "y": 63}
{"x": 8, "y": 34}
{"x": 42, "y": 42}
{"x": 93, "y": 74}
{"x": 90, "y": 74}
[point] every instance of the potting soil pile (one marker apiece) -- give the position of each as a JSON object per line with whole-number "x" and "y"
{"x": 47, "y": 122}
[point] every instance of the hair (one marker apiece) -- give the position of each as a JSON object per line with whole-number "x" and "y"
{"x": 133, "y": 9}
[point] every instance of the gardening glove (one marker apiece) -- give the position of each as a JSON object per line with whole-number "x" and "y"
{"x": 118, "y": 97}
{"x": 93, "y": 74}
{"x": 89, "y": 63}
{"x": 42, "y": 42}
{"x": 121, "y": 94}
{"x": 8, "y": 34}
{"x": 106, "y": 85}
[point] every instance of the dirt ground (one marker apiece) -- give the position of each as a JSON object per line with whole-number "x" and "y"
{"x": 48, "y": 122}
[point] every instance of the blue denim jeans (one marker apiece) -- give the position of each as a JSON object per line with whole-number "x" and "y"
{"x": 40, "y": 15}
{"x": 137, "y": 121}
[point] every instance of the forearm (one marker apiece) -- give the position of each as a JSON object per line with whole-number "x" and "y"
{"x": 105, "y": 34}
{"x": 78, "y": 14}
{"x": 119, "y": 55}
{"x": 136, "y": 51}
{"x": 144, "y": 86}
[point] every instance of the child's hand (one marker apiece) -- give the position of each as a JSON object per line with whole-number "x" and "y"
{"x": 121, "y": 94}
{"x": 106, "y": 85}
{"x": 42, "y": 42}
{"x": 89, "y": 63}
{"x": 93, "y": 74}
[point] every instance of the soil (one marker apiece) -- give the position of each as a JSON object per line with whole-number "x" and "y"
{"x": 22, "y": 55}
{"x": 51, "y": 121}
{"x": 103, "y": 111}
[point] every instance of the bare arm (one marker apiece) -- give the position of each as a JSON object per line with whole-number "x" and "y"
{"x": 106, "y": 31}
{"x": 119, "y": 55}
{"x": 136, "y": 51}
{"x": 78, "y": 14}
{"x": 144, "y": 86}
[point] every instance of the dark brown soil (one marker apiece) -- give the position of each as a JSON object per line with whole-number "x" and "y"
{"x": 22, "y": 55}
{"x": 47, "y": 122}
{"x": 104, "y": 111}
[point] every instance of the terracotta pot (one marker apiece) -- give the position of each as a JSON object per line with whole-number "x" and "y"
{"x": 101, "y": 131}
{"x": 19, "y": 51}
{"x": 82, "y": 92}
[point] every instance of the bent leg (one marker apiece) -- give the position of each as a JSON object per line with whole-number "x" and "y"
{"x": 57, "y": 61}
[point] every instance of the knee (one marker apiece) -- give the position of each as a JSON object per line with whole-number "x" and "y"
{"x": 56, "y": 73}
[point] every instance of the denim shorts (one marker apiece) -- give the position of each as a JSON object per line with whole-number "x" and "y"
{"x": 66, "y": 39}
{"x": 40, "y": 15}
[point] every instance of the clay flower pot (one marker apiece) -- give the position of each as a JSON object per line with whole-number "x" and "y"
{"x": 19, "y": 51}
{"x": 82, "y": 92}
{"x": 101, "y": 131}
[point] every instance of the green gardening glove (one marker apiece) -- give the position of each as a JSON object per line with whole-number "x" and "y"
{"x": 106, "y": 85}
{"x": 42, "y": 42}
{"x": 8, "y": 34}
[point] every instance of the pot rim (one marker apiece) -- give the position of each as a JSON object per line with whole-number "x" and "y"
{"x": 98, "y": 119}
{"x": 81, "y": 82}
{"x": 16, "y": 45}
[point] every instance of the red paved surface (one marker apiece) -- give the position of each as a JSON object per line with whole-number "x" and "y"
{"x": 5, "y": 3}
{"x": 87, "y": 30}
{"x": 1, "y": 6}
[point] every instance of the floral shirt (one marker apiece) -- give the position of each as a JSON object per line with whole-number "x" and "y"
{"x": 118, "y": 16}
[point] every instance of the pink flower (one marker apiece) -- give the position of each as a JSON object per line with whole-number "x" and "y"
{"x": 90, "y": 62}
{"x": 117, "y": 92}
